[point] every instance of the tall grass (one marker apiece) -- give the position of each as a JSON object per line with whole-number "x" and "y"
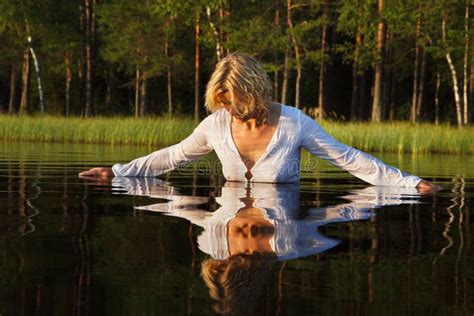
{"x": 99, "y": 130}
{"x": 403, "y": 137}
{"x": 399, "y": 137}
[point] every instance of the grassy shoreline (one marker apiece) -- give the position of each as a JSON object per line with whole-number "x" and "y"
{"x": 397, "y": 137}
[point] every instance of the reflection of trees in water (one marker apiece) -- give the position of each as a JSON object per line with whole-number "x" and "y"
{"x": 236, "y": 281}
{"x": 31, "y": 292}
{"x": 82, "y": 270}
{"x": 458, "y": 210}
{"x": 433, "y": 258}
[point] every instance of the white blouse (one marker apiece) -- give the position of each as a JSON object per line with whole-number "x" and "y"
{"x": 279, "y": 163}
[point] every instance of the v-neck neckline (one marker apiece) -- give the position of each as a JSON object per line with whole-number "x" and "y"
{"x": 265, "y": 152}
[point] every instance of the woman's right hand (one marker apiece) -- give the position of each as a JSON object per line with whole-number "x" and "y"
{"x": 97, "y": 172}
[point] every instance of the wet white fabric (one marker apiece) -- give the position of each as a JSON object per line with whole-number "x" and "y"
{"x": 293, "y": 236}
{"x": 279, "y": 163}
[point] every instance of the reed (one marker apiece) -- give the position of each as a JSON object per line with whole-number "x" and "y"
{"x": 158, "y": 131}
{"x": 403, "y": 137}
{"x": 398, "y": 137}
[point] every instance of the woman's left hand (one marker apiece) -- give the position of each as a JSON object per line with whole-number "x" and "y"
{"x": 427, "y": 187}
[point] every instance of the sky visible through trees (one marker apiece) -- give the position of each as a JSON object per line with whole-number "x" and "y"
{"x": 375, "y": 60}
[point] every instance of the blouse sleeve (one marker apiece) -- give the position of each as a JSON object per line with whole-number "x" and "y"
{"x": 161, "y": 161}
{"x": 358, "y": 163}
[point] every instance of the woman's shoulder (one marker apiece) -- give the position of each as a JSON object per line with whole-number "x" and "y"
{"x": 291, "y": 114}
{"x": 295, "y": 114}
{"x": 289, "y": 111}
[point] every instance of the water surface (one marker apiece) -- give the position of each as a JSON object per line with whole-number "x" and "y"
{"x": 330, "y": 245}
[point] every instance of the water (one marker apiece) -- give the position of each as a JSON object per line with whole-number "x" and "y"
{"x": 191, "y": 244}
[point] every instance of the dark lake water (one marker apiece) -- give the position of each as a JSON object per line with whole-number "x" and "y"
{"x": 191, "y": 244}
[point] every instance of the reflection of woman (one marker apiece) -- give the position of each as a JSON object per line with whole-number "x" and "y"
{"x": 235, "y": 282}
{"x": 255, "y": 226}
{"x": 256, "y": 139}
{"x": 262, "y": 217}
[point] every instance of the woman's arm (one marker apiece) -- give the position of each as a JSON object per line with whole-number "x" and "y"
{"x": 161, "y": 161}
{"x": 358, "y": 163}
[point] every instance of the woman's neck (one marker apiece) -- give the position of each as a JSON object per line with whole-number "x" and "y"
{"x": 253, "y": 124}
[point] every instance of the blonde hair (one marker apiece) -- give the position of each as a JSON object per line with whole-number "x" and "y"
{"x": 234, "y": 283}
{"x": 241, "y": 75}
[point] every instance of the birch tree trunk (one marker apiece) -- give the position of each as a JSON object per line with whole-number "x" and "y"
{"x": 377, "y": 104}
{"x": 465, "y": 65}
{"x": 38, "y": 77}
{"x": 25, "y": 82}
{"x": 37, "y": 69}
{"x": 454, "y": 77}
{"x": 322, "y": 64}
{"x": 13, "y": 88}
{"x": 197, "y": 33}
{"x": 297, "y": 54}
{"x": 219, "y": 48}
{"x": 286, "y": 69}
{"x": 68, "y": 77}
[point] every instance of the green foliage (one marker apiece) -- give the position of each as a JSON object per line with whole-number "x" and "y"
{"x": 156, "y": 36}
{"x": 355, "y": 18}
{"x": 133, "y": 36}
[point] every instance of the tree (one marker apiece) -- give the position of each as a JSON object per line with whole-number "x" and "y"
{"x": 322, "y": 65}
{"x": 89, "y": 7}
{"x": 197, "y": 62}
{"x": 380, "y": 44}
{"x": 134, "y": 37}
{"x": 15, "y": 49}
{"x": 260, "y": 35}
{"x": 296, "y": 48}
{"x": 355, "y": 22}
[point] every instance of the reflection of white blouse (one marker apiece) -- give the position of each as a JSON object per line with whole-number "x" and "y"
{"x": 279, "y": 163}
{"x": 293, "y": 236}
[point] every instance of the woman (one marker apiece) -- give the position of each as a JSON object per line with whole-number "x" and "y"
{"x": 258, "y": 140}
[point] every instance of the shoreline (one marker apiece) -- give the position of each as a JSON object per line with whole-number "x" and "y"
{"x": 391, "y": 137}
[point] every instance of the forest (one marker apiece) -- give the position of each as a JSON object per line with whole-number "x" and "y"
{"x": 349, "y": 60}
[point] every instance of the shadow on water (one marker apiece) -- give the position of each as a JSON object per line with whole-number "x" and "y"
{"x": 194, "y": 245}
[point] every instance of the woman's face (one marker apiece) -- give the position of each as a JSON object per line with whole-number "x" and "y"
{"x": 249, "y": 232}
{"x": 226, "y": 101}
